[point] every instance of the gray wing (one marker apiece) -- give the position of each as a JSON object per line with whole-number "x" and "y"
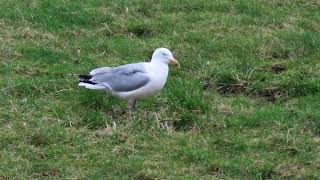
{"x": 123, "y": 78}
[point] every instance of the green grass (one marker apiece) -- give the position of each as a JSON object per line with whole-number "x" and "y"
{"x": 245, "y": 103}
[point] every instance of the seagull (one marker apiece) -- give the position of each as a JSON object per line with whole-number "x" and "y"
{"x": 132, "y": 81}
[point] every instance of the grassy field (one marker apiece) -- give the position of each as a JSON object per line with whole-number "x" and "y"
{"x": 245, "y": 103}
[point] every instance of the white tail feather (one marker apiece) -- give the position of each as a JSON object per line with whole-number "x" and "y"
{"x": 91, "y": 86}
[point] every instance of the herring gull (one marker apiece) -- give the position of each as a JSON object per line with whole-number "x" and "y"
{"x": 132, "y": 81}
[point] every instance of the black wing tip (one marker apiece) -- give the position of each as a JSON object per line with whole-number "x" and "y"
{"x": 87, "y": 82}
{"x": 85, "y": 78}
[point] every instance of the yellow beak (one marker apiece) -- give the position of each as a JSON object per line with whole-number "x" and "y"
{"x": 175, "y": 62}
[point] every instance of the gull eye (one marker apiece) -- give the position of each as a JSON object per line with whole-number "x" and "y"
{"x": 164, "y": 54}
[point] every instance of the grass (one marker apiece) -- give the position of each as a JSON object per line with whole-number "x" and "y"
{"x": 245, "y": 103}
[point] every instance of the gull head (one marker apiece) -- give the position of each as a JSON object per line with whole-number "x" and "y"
{"x": 164, "y": 55}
